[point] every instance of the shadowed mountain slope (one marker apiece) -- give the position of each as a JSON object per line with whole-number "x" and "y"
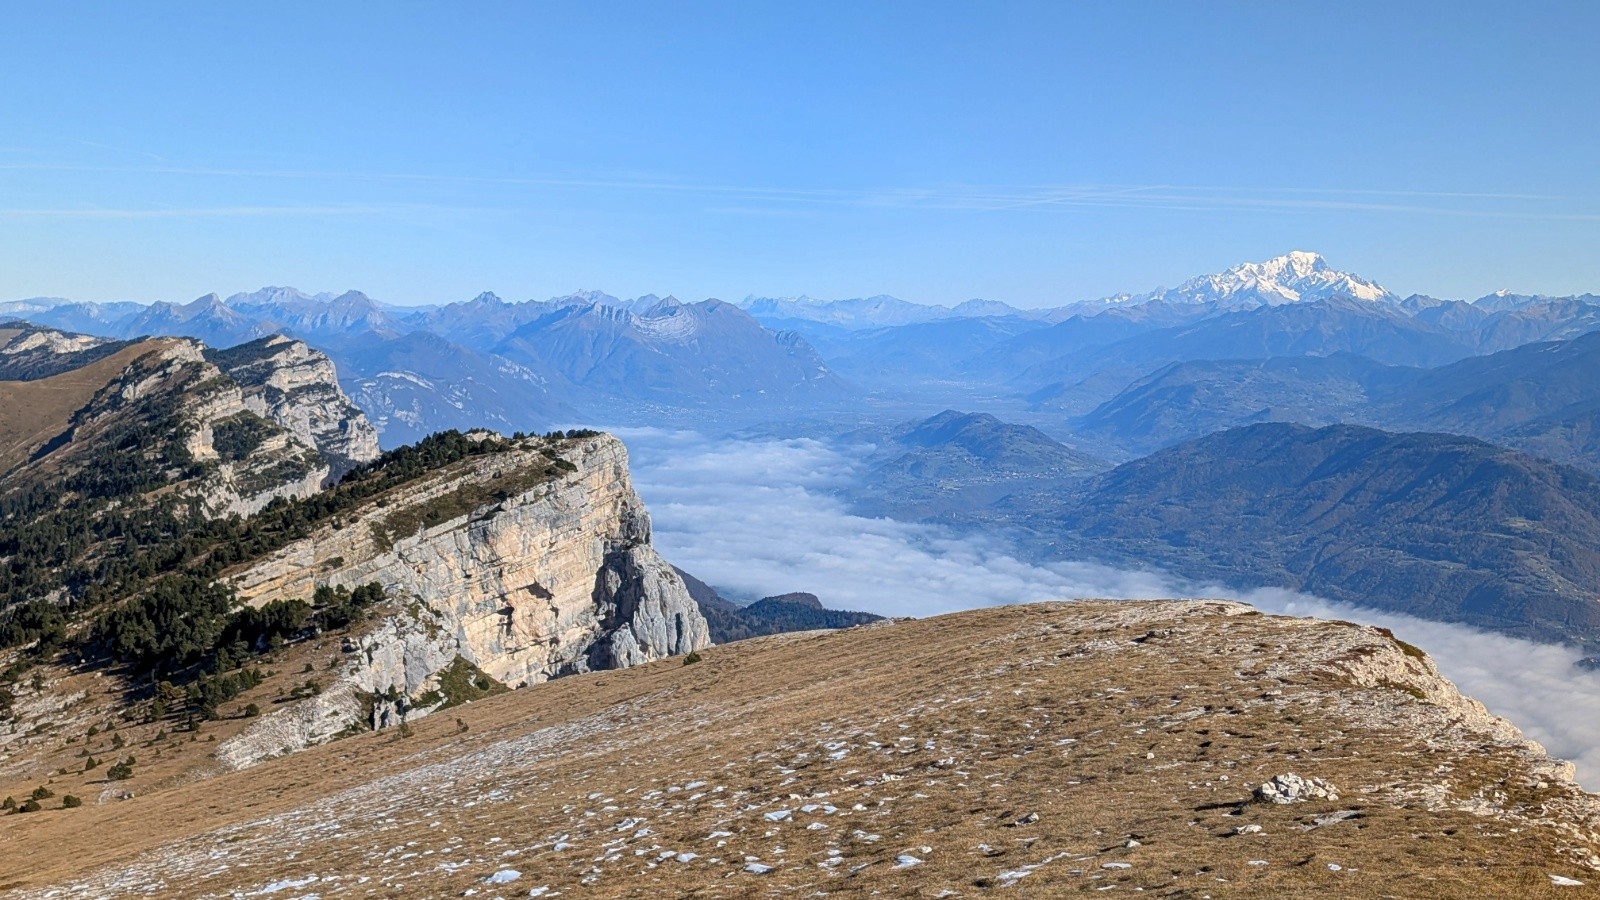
{"x": 1191, "y": 399}
{"x": 1434, "y": 525}
{"x": 730, "y": 621}
{"x": 1543, "y": 398}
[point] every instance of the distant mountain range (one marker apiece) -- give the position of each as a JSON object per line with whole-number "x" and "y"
{"x": 594, "y": 357}
{"x": 1295, "y": 277}
{"x": 1434, "y": 525}
{"x": 1543, "y": 398}
{"x": 1071, "y": 358}
{"x": 486, "y": 362}
{"x": 1299, "y": 276}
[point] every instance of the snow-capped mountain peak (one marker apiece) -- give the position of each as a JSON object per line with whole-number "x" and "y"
{"x": 1297, "y": 276}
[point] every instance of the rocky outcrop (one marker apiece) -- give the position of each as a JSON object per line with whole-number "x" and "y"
{"x": 240, "y": 478}
{"x": 247, "y": 425}
{"x": 1291, "y": 788}
{"x": 555, "y": 577}
{"x": 55, "y": 343}
{"x": 386, "y": 669}
{"x": 287, "y": 382}
{"x": 290, "y": 428}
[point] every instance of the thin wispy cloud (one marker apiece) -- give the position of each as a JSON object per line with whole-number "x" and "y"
{"x": 748, "y": 199}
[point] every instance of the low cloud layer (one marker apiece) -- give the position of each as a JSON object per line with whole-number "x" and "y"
{"x": 757, "y": 518}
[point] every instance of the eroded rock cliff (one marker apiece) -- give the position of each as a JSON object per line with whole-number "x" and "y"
{"x": 287, "y": 382}
{"x": 526, "y": 563}
{"x": 556, "y": 577}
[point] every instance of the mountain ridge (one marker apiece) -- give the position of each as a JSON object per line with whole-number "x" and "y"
{"x": 1433, "y": 525}
{"x": 203, "y": 507}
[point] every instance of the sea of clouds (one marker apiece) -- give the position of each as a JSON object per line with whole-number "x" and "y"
{"x": 757, "y": 518}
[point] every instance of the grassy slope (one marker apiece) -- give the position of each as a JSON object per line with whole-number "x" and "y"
{"x": 32, "y": 412}
{"x": 1110, "y": 721}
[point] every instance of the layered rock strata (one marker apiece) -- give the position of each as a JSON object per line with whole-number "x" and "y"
{"x": 556, "y": 578}
{"x": 287, "y": 382}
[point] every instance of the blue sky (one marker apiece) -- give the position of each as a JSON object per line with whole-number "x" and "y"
{"x": 1033, "y": 153}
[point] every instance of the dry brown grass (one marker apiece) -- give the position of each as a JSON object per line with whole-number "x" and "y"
{"x": 1112, "y": 722}
{"x": 33, "y": 412}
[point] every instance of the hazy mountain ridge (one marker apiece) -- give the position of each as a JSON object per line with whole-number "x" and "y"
{"x": 730, "y": 621}
{"x": 1294, "y": 277}
{"x": 978, "y": 444}
{"x": 875, "y": 312}
{"x": 958, "y": 461}
{"x": 1071, "y": 358}
{"x": 422, "y": 370}
{"x": 594, "y": 354}
{"x": 1543, "y": 398}
{"x": 671, "y": 352}
{"x": 1433, "y": 525}
{"x": 420, "y": 383}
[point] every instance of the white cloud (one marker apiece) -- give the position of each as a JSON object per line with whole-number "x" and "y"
{"x": 756, "y": 518}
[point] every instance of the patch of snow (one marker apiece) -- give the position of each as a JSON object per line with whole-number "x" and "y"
{"x": 408, "y": 376}
{"x": 286, "y": 884}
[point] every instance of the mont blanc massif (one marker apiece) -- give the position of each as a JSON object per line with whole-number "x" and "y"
{"x": 1186, "y": 592}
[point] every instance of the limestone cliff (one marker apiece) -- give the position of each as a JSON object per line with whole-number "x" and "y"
{"x": 287, "y": 382}
{"x": 527, "y": 564}
{"x": 392, "y": 665}
{"x": 558, "y": 577}
{"x": 234, "y": 429}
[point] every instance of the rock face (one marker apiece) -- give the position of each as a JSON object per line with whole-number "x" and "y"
{"x": 557, "y": 579}
{"x": 261, "y": 420}
{"x": 399, "y": 659}
{"x": 242, "y": 460}
{"x": 287, "y": 382}
{"x": 320, "y": 433}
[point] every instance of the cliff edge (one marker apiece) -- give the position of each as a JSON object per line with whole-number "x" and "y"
{"x": 529, "y": 563}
